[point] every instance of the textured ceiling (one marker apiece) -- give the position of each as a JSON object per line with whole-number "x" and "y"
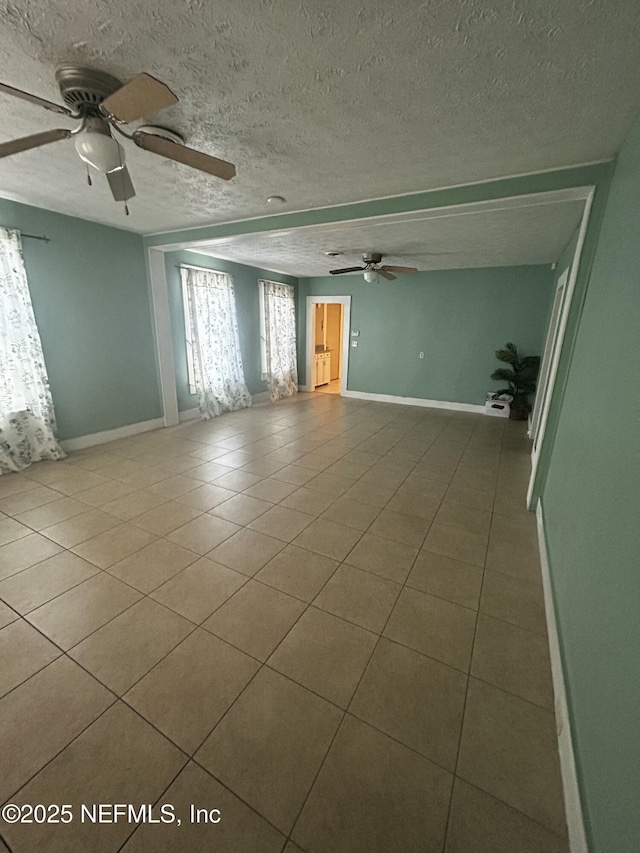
{"x": 326, "y": 102}
{"x": 480, "y": 238}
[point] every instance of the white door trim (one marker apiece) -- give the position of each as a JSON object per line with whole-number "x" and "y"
{"x": 562, "y": 327}
{"x": 345, "y": 301}
{"x": 549, "y": 345}
{"x": 571, "y": 789}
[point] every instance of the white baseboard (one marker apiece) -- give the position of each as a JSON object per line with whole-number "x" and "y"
{"x": 83, "y": 441}
{"x": 573, "y": 806}
{"x": 414, "y": 401}
{"x": 305, "y": 388}
{"x": 194, "y": 414}
{"x": 188, "y": 415}
{"x": 262, "y": 397}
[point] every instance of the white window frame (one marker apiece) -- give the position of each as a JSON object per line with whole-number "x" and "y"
{"x": 191, "y": 373}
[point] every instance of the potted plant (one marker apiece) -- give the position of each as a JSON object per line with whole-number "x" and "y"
{"x": 521, "y": 379}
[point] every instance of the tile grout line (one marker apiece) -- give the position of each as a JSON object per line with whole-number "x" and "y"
{"x": 468, "y": 678}
{"x": 346, "y": 711}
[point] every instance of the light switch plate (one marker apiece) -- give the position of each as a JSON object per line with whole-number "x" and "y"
{"x": 354, "y": 343}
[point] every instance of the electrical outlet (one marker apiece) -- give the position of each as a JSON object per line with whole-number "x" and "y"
{"x": 354, "y": 343}
{"x": 421, "y": 355}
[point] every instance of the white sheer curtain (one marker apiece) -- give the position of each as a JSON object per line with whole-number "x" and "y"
{"x": 215, "y": 343}
{"x": 279, "y": 353}
{"x": 27, "y": 418}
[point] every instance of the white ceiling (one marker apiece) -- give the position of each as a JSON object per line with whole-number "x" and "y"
{"x": 325, "y": 102}
{"x": 474, "y": 236}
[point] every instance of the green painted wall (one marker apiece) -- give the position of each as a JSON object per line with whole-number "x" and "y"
{"x": 458, "y": 318}
{"x": 591, "y": 505}
{"x": 245, "y": 280}
{"x": 90, "y": 298}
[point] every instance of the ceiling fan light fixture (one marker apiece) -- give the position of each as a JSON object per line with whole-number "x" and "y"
{"x": 98, "y": 148}
{"x": 371, "y": 276}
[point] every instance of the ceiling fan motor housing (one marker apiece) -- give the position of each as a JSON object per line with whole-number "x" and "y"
{"x": 84, "y": 89}
{"x": 372, "y": 258}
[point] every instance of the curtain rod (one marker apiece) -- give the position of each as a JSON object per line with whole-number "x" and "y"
{"x": 36, "y": 237}
{"x": 208, "y": 269}
{"x": 204, "y": 269}
{"x": 44, "y": 239}
{"x": 31, "y": 236}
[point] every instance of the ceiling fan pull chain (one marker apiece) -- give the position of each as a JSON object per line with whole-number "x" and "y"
{"x": 89, "y": 181}
{"x": 126, "y": 209}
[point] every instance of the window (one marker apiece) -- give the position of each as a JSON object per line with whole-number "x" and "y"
{"x": 278, "y": 356}
{"x": 213, "y": 343}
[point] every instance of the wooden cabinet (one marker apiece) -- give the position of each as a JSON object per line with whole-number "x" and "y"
{"x": 321, "y": 368}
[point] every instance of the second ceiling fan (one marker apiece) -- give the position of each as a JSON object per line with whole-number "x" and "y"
{"x": 372, "y": 268}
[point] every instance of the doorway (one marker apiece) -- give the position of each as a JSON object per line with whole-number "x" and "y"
{"x": 327, "y": 343}
{"x": 327, "y": 357}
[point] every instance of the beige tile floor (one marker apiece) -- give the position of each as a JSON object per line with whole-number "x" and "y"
{"x": 322, "y": 617}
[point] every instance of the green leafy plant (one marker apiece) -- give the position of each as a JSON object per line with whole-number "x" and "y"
{"x": 521, "y": 377}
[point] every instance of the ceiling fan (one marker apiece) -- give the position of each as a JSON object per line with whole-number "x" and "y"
{"x": 372, "y": 268}
{"x": 102, "y": 104}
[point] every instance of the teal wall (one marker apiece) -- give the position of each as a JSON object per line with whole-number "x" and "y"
{"x": 591, "y": 505}
{"x": 90, "y": 298}
{"x": 245, "y": 281}
{"x": 458, "y": 318}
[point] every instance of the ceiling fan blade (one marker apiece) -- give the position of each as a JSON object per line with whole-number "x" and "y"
{"x": 383, "y": 272}
{"x": 138, "y": 98}
{"x": 347, "y": 269}
{"x": 14, "y": 146}
{"x": 121, "y": 185}
{"x": 182, "y": 154}
{"x": 34, "y": 99}
{"x": 398, "y": 269}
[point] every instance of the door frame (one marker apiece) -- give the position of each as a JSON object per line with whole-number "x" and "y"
{"x": 551, "y": 342}
{"x": 345, "y": 301}
{"x": 556, "y": 346}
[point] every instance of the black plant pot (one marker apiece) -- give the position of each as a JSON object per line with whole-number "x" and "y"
{"x": 518, "y": 413}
